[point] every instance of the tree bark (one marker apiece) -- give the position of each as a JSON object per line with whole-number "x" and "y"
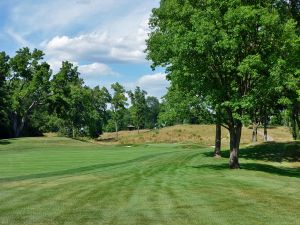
{"x": 295, "y": 122}
{"x": 254, "y": 132}
{"x": 117, "y": 134}
{"x": 16, "y": 130}
{"x": 73, "y": 132}
{"x": 265, "y": 131}
{"x": 18, "y": 125}
{"x": 235, "y": 137}
{"x": 217, "y": 152}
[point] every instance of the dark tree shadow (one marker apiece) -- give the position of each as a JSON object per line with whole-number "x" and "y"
{"x": 281, "y": 171}
{"x": 106, "y": 140}
{"x": 4, "y": 142}
{"x": 271, "y": 151}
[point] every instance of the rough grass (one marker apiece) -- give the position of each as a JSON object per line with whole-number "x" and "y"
{"x": 62, "y": 181}
{"x": 196, "y": 134}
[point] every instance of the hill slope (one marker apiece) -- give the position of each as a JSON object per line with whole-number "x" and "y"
{"x": 196, "y": 134}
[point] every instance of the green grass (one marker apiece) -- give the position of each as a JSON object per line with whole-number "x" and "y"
{"x": 62, "y": 181}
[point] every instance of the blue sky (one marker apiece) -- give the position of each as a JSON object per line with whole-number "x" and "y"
{"x": 104, "y": 38}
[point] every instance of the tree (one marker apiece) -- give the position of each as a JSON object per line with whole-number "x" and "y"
{"x": 291, "y": 85}
{"x": 4, "y": 73}
{"x": 66, "y": 100}
{"x": 82, "y": 109}
{"x": 223, "y": 50}
{"x": 118, "y": 103}
{"x": 28, "y": 85}
{"x": 139, "y": 107}
{"x": 178, "y": 108}
{"x": 97, "y": 114}
{"x": 153, "y": 108}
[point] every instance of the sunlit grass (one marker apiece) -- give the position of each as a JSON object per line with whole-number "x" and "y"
{"x": 62, "y": 181}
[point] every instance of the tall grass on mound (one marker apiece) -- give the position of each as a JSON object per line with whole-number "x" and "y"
{"x": 197, "y": 134}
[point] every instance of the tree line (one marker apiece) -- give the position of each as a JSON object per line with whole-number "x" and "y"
{"x": 33, "y": 100}
{"x": 238, "y": 58}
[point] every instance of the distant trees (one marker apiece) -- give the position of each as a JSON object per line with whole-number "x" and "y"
{"x": 81, "y": 109}
{"x": 178, "y": 108}
{"x": 118, "y": 103}
{"x": 228, "y": 52}
{"x": 99, "y": 99}
{"x": 153, "y": 109}
{"x": 139, "y": 107}
{"x": 33, "y": 101}
{"x": 4, "y": 72}
{"x": 28, "y": 86}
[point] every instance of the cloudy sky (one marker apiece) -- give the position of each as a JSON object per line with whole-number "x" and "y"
{"x": 104, "y": 38}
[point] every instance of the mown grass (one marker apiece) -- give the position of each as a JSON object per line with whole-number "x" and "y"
{"x": 62, "y": 181}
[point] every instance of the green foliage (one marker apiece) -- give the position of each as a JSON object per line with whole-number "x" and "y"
{"x": 153, "y": 108}
{"x": 4, "y": 73}
{"x": 28, "y": 86}
{"x": 224, "y": 51}
{"x": 178, "y": 108}
{"x": 82, "y": 109}
{"x": 139, "y": 107}
{"x": 118, "y": 103}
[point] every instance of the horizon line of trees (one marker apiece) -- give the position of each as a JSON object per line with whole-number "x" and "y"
{"x": 33, "y": 101}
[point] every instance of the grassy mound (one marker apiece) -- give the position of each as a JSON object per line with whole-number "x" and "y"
{"x": 196, "y": 134}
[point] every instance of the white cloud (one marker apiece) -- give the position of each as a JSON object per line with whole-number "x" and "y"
{"x": 99, "y": 46}
{"x": 114, "y": 30}
{"x": 56, "y": 15}
{"x": 92, "y": 74}
{"x": 155, "y": 84}
{"x": 157, "y": 80}
{"x": 96, "y": 69}
{"x": 96, "y": 35}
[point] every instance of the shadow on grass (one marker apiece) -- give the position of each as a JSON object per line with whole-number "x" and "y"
{"x": 272, "y": 152}
{"x": 281, "y": 171}
{"x": 106, "y": 140}
{"x": 4, "y": 142}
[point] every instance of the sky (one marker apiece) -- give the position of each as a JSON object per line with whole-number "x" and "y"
{"x": 104, "y": 38}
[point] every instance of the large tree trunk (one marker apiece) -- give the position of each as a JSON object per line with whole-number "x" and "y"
{"x": 298, "y": 126}
{"x": 18, "y": 122}
{"x": 254, "y": 132}
{"x": 17, "y": 125}
{"x": 73, "y": 132}
{"x": 295, "y": 121}
{"x": 265, "y": 130}
{"x": 235, "y": 137}
{"x": 117, "y": 134}
{"x": 217, "y": 152}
